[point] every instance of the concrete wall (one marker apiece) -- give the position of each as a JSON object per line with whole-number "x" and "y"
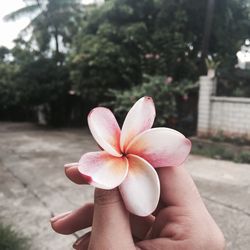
{"x": 222, "y": 115}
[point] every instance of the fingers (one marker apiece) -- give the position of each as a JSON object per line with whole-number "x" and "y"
{"x": 178, "y": 188}
{"x": 111, "y": 227}
{"x": 141, "y": 226}
{"x": 73, "y": 174}
{"x": 83, "y": 242}
{"x": 71, "y": 222}
{"x": 180, "y": 201}
{"x": 159, "y": 244}
{"x": 65, "y": 223}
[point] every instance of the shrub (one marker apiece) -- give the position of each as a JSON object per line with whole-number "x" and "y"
{"x": 242, "y": 157}
{"x": 11, "y": 240}
{"x": 165, "y": 92}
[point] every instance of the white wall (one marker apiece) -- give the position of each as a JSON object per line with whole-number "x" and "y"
{"x": 224, "y": 115}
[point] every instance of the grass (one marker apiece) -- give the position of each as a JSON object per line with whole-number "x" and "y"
{"x": 242, "y": 141}
{"x": 221, "y": 152}
{"x": 243, "y": 157}
{"x": 11, "y": 240}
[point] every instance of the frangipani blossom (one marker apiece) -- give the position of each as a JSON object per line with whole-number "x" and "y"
{"x": 130, "y": 155}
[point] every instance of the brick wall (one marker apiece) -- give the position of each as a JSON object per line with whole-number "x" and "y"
{"x": 222, "y": 115}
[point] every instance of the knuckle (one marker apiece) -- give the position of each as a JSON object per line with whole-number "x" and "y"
{"x": 107, "y": 197}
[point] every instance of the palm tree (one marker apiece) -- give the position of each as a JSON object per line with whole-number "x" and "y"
{"x": 207, "y": 28}
{"x": 50, "y": 19}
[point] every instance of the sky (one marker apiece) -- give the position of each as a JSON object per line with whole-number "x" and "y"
{"x": 10, "y": 30}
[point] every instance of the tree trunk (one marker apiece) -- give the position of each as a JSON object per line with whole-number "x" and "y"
{"x": 207, "y": 29}
{"x": 57, "y": 42}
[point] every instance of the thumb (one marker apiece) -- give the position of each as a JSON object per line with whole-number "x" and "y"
{"x": 110, "y": 228}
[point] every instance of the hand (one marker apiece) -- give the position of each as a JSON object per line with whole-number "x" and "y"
{"x": 181, "y": 221}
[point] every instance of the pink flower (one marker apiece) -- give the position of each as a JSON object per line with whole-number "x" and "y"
{"x": 168, "y": 80}
{"x": 185, "y": 97}
{"x": 130, "y": 155}
{"x": 157, "y": 56}
{"x": 149, "y": 56}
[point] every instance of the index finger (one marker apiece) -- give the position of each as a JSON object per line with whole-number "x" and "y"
{"x": 72, "y": 172}
{"x": 177, "y": 187}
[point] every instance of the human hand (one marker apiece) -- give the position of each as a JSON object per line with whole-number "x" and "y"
{"x": 181, "y": 221}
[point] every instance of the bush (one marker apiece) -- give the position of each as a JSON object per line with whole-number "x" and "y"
{"x": 221, "y": 150}
{"x": 167, "y": 96}
{"x": 233, "y": 82}
{"x": 243, "y": 157}
{"x": 212, "y": 151}
{"x": 100, "y": 65}
{"x": 10, "y": 240}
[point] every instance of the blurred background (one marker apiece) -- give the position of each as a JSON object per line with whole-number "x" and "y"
{"x": 60, "y": 58}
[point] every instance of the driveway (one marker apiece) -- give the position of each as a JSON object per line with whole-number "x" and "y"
{"x": 33, "y": 186}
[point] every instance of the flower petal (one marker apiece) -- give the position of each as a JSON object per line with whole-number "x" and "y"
{"x": 140, "y": 118}
{"x": 161, "y": 147}
{"x": 105, "y": 130}
{"x": 141, "y": 188}
{"x": 103, "y": 170}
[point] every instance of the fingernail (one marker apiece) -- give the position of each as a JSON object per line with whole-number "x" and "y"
{"x": 59, "y": 216}
{"x": 80, "y": 240}
{"x": 69, "y": 165}
{"x": 77, "y": 243}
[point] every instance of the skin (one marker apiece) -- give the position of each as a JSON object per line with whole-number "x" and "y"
{"x": 181, "y": 221}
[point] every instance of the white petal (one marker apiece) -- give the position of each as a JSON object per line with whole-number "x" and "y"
{"x": 103, "y": 170}
{"x": 140, "y": 118}
{"x": 105, "y": 130}
{"x": 141, "y": 188}
{"x": 161, "y": 147}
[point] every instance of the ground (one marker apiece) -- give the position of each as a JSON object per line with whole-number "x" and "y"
{"x": 33, "y": 186}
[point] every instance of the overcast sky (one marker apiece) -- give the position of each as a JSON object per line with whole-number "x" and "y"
{"x": 10, "y": 30}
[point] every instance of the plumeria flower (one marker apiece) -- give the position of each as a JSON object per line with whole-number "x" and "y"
{"x": 130, "y": 155}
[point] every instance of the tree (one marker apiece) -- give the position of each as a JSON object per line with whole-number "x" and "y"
{"x": 29, "y": 80}
{"x": 9, "y": 97}
{"x": 124, "y": 39}
{"x": 114, "y": 45}
{"x": 51, "y": 20}
{"x": 3, "y": 53}
{"x": 108, "y": 49}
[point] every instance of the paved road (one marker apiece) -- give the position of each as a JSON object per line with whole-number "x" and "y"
{"x": 33, "y": 186}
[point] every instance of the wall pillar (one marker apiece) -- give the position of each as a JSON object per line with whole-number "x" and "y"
{"x": 207, "y": 89}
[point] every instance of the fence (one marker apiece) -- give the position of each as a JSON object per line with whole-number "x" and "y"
{"x": 229, "y": 116}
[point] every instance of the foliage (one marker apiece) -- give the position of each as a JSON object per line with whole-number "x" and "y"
{"x": 167, "y": 97}
{"x": 211, "y": 64}
{"x": 243, "y": 157}
{"x": 32, "y": 80}
{"x": 221, "y": 137}
{"x": 233, "y": 82}
{"x": 108, "y": 50}
{"x": 221, "y": 151}
{"x": 231, "y": 22}
{"x": 101, "y": 65}
{"x": 3, "y": 53}
{"x": 8, "y": 97}
{"x": 10, "y": 240}
{"x": 88, "y": 50}
{"x": 42, "y": 81}
{"x": 215, "y": 152}
{"x": 124, "y": 39}
{"x": 51, "y": 20}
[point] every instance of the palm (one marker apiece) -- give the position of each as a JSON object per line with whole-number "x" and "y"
{"x": 50, "y": 20}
